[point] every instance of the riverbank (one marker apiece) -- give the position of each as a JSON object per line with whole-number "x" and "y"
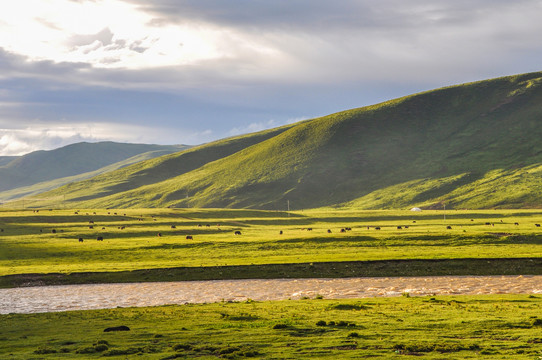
{"x": 381, "y": 268}
{"x": 435, "y": 327}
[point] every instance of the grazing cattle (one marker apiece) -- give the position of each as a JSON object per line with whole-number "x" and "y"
{"x": 173, "y": 227}
{"x": 399, "y": 227}
{"x": 516, "y": 223}
{"x": 53, "y": 231}
{"x": 208, "y": 225}
{"x": 100, "y": 238}
{"x": 471, "y": 219}
{"x": 91, "y": 222}
{"x": 377, "y": 228}
{"x": 103, "y": 228}
{"x": 343, "y": 230}
{"x": 537, "y": 225}
{"x": 237, "y": 232}
{"x": 348, "y": 229}
{"x": 189, "y": 237}
{"x": 368, "y": 227}
{"x": 199, "y": 225}
{"x": 328, "y": 231}
{"x": 414, "y": 222}
{"x": 159, "y": 234}
{"x": 309, "y": 229}
{"x": 280, "y": 232}
{"x": 94, "y": 212}
{"x": 406, "y": 227}
{"x": 80, "y": 239}
{"x": 488, "y": 223}
{"x": 91, "y": 227}
{"x": 76, "y": 213}
{"x": 449, "y": 227}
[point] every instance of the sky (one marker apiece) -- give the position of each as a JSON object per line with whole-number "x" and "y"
{"x": 193, "y": 71}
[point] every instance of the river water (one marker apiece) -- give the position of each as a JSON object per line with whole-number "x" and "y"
{"x": 102, "y": 296}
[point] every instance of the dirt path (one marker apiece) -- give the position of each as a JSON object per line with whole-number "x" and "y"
{"x": 97, "y": 296}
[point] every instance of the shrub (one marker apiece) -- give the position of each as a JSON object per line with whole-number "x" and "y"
{"x": 44, "y": 350}
{"x": 280, "y": 326}
{"x": 353, "y": 335}
{"x": 101, "y": 347}
{"x": 180, "y": 347}
{"x": 321, "y": 323}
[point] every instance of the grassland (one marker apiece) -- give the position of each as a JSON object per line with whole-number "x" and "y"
{"x": 136, "y": 239}
{"x": 451, "y": 327}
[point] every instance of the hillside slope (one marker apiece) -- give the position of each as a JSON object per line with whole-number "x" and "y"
{"x": 73, "y": 160}
{"x": 472, "y": 145}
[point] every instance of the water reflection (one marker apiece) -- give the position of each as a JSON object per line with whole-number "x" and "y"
{"x": 100, "y": 296}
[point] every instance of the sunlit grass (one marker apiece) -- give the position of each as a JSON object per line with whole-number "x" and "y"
{"x": 132, "y": 241}
{"x": 438, "y": 327}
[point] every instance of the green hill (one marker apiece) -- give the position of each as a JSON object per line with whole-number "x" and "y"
{"x": 42, "y": 170}
{"x": 474, "y": 145}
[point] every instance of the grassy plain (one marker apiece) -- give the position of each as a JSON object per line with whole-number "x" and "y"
{"x": 442, "y": 327}
{"x": 132, "y": 241}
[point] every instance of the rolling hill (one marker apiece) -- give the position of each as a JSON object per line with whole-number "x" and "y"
{"x": 44, "y": 170}
{"x": 474, "y": 145}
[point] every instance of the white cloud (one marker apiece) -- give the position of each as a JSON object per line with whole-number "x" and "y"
{"x": 108, "y": 34}
{"x": 19, "y": 141}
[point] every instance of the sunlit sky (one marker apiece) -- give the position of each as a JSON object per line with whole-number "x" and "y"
{"x": 188, "y": 72}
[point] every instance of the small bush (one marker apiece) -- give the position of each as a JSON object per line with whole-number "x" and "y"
{"x": 349, "y": 307}
{"x": 536, "y": 322}
{"x": 116, "y": 352}
{"x": 86, "y": 350}
{"x": 101, "y": 347}
{"x": 321, "y": 323}
{"x": 280, "y": 326}
{"x": 180, "y": 347}
{"x": 353, "y": 335}
{"x": 45, "y": 350}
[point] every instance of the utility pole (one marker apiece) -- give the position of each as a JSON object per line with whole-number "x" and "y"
{"x": 288, "y": 201}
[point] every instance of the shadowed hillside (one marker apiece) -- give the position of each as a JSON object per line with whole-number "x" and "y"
{"x": 73, "y": 160}
{"x": 473, "y": 145}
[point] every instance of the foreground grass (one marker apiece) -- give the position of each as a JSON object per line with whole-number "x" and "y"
{"x": 132, "y": 241}
{"x": 451, "y": 327}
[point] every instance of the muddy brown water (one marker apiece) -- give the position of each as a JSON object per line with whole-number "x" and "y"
{"x": 102, "y": 296}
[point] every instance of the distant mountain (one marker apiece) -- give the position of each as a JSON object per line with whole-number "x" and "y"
{"x": 71, "y": 163}
{"x": 475, "y": 145}
{"x": 4, "y": 160}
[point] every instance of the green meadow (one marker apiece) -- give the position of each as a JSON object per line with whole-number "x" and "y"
{"x": 441, "y": 327}
{"x": 46, "y": 241}
{"x": 152, "y": 245}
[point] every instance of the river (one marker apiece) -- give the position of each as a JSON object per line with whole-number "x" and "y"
{"x": 101, "y": 296}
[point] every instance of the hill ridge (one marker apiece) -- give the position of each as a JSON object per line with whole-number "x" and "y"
{"x": 434, "y": 146}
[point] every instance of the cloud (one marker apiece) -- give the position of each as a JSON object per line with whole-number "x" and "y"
{"x": 196, "y": 70}
{"x": 19, "y": 141}
{"x": 105, "y": 37}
